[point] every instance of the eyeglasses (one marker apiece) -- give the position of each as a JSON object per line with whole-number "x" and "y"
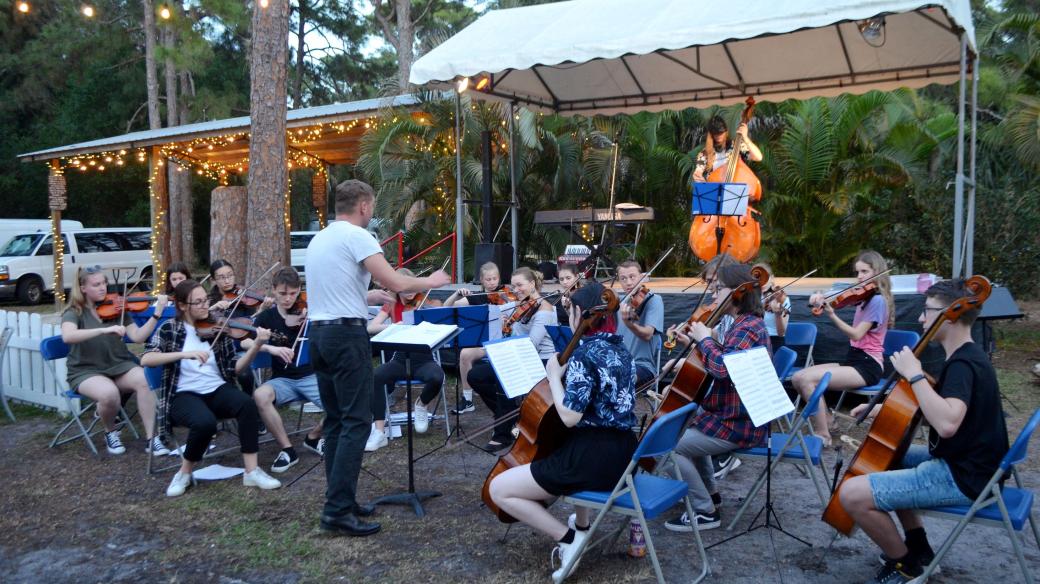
{"x": 91, "y": 269}
{"x": 202, "y": 302}
{"x": 225, "y": 278}
{"x": 927, "y": 308}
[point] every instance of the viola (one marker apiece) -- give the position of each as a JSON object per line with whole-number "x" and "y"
{"x": 237, "y": 328}
{"x": 522, "y": 312}
{"x": 541, "y": 430}
{"x": 855, "y": 295}
{"x": 740, "y": 236}
{"x": 115, "y": 304}
{"x": 692, "y": 380}
{"x": 896, "y": 424}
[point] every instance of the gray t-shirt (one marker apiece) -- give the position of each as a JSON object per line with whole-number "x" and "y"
{"x": 535, "y": 330}
{"x": 645, "y": 352}
{"x": 337, "y": 281}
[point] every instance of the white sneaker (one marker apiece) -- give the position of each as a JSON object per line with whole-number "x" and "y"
{"x": 376, "y": 440}
{"x": 179, "y": 484}
{"x": 258, "y": 478}
{"x": 113, "y": 442}
{"x": 420, "y": 417}
{"x": 564, "y": 552}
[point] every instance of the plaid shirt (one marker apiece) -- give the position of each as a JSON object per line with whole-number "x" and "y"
{"x": 170, "y": 339}
{"x": 721, "y": 414}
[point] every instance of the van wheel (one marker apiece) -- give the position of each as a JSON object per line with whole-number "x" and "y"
{"x": 30, "y": 290}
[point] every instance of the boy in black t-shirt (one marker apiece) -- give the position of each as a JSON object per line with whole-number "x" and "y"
{"x": 289, "y": 381}
{"x": 968, "y": 438}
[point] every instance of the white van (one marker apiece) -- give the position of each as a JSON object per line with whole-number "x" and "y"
{"x": 27, "y": 261}
{"x": 11, "y": 227}
{"x": 299, "y": 240}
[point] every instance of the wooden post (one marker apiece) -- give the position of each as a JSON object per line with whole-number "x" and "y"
{"x": 159, "y": 205}
{"x": 57, "y": 200}
{"x": 320, "y": 194}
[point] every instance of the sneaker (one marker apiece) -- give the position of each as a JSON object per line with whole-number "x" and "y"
{"x": 923, "y": 558}
{"x": 572, "y": 520}
{"x": 284, "y": 461}
{"x": 705, "y": 521}
{"x": 113, "y": 443}
{"x": 261, "y": 429}
{"x": 420, "y": 417}
{"x": 376, "y": 440}
{"x": 179, "y": 484}
{"x": 725, "y": 465}
{"x": 464, "y": 406}
{"x": 156, "y": 447}
{"x": 896, "y": 572}
{"x": 563, "y": 552}
{"x": 258, "y": 478}
{"x": 315, "y": 445}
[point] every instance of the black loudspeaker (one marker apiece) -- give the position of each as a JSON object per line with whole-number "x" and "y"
{"x": 500, "y": 253}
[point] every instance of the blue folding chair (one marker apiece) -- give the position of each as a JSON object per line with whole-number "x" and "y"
{"x": 783, "y": 362}
{"x": 1007, "y": 507}
{"x": 800, "y": 334}
{"x": 795, "y": 447}
{"x": 52, "y": 349}
{"x": 643, "y": 496}
{"x": 895, "y": 340}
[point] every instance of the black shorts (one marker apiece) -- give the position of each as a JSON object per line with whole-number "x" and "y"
{"x": 869, "y": 369}
{"x": 591, "y": 459}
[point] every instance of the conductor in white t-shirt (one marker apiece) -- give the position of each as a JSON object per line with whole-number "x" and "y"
{"x": 341, "y": 261}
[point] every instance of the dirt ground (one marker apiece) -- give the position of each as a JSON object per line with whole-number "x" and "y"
{"x": 71, "y": 517}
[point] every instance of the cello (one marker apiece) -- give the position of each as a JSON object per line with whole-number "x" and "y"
{"x": 738, "y": 236}
{"x": 692, "y": 380}
{"x": 541, "y": 430}
{"x": 896, "y": 424}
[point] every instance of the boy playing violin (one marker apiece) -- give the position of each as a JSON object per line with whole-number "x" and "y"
{"x": 967, "y": 440}
{"x": 289, "y": 382}
{"x": 643, "y": 324}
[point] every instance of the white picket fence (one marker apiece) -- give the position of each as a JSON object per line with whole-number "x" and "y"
{"x": 26, "y": 377}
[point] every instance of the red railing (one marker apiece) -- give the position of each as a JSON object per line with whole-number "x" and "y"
{"x": 399, "y": 236}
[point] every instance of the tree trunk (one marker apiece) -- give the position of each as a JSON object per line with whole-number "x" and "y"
{"x": 160, "y": 233}
{"x": 301, "y": 30}
{"x": 268, "y": 235}
{"x": 174, "y": 173}
{"x": 186, "y": 199}
{"x": 227, "y": 214}
{"x": 151, "y": 73}
{"x": 405, "y": 45}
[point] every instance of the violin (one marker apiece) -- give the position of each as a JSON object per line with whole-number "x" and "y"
{"x": 855, "y": 295}
{"x": 701, "y": 314}
{"x": 237, "y": 328}
{"x": 115, "y": 304}
{"x": 249, "y": 297}
{"x": 500, "y": 297}
{"x": 779, "y": 296}
{"x": 297, "y": 313}
{"x": 522, "y": 312}
{"x": 896, "y": 424}
{"x": 637, "y": 299}
{"x": 541, "y": 430}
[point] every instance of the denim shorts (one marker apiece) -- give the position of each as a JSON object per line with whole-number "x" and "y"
{"x": 288, "y": 390}
{"x": 923, "y": 482}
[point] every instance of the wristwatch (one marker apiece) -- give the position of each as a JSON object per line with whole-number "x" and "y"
{"x": 155, "y": 316}
{"x": 916, "y": 378}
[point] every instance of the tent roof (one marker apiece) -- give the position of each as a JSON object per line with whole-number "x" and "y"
{"x": 614, "y": 56}
{"x": 336, "y": 149}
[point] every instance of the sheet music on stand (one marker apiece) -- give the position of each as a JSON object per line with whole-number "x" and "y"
{"x": 424, "y": 333}
{"x": 757, "y": 385}
{"x": 516, "y": 364}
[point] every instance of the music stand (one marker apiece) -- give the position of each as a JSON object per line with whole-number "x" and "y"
{"x": 719, "y": 200}
{"x": 411, "y": 496}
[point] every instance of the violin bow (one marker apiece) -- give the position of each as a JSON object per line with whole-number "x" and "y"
{"x": 646, "y": 274}
{"x": 427, "y": 295}
{"x": 857, "y": 284}
{"x": 235, "y": 302}
{"x": 789, "y": 284}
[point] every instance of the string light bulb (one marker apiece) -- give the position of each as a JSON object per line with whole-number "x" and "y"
{"x": 23, "y": 7}
{"x": 164, "y": 13}
{"x": 263, "y": 3}
{"x": 88, "y": 11}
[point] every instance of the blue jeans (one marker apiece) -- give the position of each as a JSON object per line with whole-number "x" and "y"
{"x": 923, "y": 482}
{"x": 342, "y": 359}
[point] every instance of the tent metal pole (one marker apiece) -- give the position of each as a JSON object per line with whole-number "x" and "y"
{"x": 515, "y": 236}
{"x": 460, "y": 208}
{"x": 969, "y": 230}
{"x": 958, "y": 196}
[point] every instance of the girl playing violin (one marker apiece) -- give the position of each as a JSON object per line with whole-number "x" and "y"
{"x": 176, "y": 273}
{"x": 535, "y": 314}
{"x": 777, "y": 309}
{"x": 490, "y": 282}
{"x": 425, "y": 371}
{"x": 198, "y": 387}
{"x": 863, "y": 365}
{"x": 567, "y": 276}
{"x": 99, "y": 364}
{"x": 224, "y": 285}
{"x": 594, "y": 395}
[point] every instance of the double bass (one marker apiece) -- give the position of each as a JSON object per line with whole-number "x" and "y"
{"x": 541, "y": 430}
{"x": 896, "y": 424}
{"x": 738, "y": 236}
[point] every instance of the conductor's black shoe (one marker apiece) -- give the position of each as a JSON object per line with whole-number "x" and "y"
{"x": 364, "y": 510}
{"x": 348, "y": 525}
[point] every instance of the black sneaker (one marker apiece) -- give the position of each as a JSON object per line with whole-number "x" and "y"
{"x": 261, "y": 429}
{"x": 464, "y": 406}
{"x": 315, "y": 445}
{"x": 923, "y": 558}
{"x": 897, "y": 572}
{"x": 705, "y": 521}
{"x": 284, "y": 461}
{"x": 724, "y": 465}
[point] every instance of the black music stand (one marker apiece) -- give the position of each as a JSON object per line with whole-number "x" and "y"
{"x": 411, "y": 496}
{"x": 719, "y": 200}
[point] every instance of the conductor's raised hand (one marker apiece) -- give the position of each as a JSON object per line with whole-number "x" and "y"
{"x": 438, "y": 279}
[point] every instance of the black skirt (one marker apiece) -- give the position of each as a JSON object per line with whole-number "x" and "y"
{"x": 869, "y": 369}
{"x": 591, "y": 459}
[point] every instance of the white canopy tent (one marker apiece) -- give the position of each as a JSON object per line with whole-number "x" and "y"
{"x": 623, "y": 56}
